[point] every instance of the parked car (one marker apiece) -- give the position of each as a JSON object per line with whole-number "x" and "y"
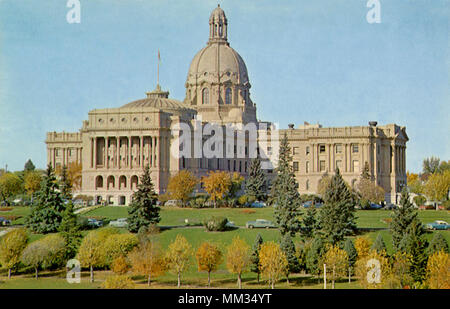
{"x": 375, "y": 206}
{"x": 437, "y": 225}
{"x": 258, "y": 204}
{"x": 310, "y": 203}
{"x": 230, "y": 224}
{"x": 122, "y": 222}
{"x": 4, "y": 221}
{"x": 390, "y": 206}
{"x": 260, "y": 223}
{"x": 94, "y": 223}
{"x": 173, "y": 203}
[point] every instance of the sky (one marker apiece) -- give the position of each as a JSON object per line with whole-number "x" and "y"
{"x": 316, "y": 61}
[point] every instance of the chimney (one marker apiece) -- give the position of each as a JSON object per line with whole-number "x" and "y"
{"x": 373, "y": 123}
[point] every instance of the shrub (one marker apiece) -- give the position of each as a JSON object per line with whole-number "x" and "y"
{"x": 118, "y": 282}
{"x": 216, "y": 224}
{"x": 198, "y": 202}
{"x": 120, "y": 265}
{"x": 117, "y": 245}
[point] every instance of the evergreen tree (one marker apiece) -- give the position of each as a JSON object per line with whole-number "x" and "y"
{"x": 437, "y": 243}
{"x": 143, "y": 208}
{"x": 352, "y": 254}
{"x": 402, "y": 218}
{"x": 255, "y": 255}
{"x": 254, "y": 185}
{"x": 284, "y": 196}
{"x": 70, "y": 231}
{"x": 310, "y": 224}
{"x": 365, "y": 174}
{"x": 47, "y": 211}
{"x": 288, "y": 247}
{"x": 414, "y": 243}
{"x": 65, "y": 185}
{"x": 314, "y": 256}
{"x": 29, "y": 166}
{"x": 379, "y": 244}
{"x": 337, "y": 216}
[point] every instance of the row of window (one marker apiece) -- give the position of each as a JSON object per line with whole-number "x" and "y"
{"x": 322, "y": 149}
{"x": 232, "y": 166}
{"x": 322, "y": 166}
{"x": 228, "y": 96}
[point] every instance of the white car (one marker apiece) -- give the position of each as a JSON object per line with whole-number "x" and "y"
{"x": 173, "y": 203}
{"x": 122, "y": 222}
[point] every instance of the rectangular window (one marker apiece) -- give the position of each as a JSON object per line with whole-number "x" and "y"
{"x": 294, "y": 150}
{"x": 355, "y": 148}
{"x": 356, "y": 166}
{"x": 295, "y": 166}
{"x": 378, "y": 149}
{"x": 321, "y": 148}
{"x": 307, "y": 150}
{"x": 322, "y": 165}
{"x": 338, "y": 148}
{"x": 307, "y": 167}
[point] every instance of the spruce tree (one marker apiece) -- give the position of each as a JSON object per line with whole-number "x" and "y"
{"x": 309, "y": 222}
{"x": 402, "y": 218}
{"x": 47, "y": 210}
{"x": 254, "y": 258}
{"x": 284, "y": 195}
{"x": 288, "y": 247}
{"x": 29, "y": 166}
{"x": 379, "y": 244}
{"x": 70, "y": 231}
{"x": 314, "y": 256}
{"x": 143, "y": 210}
{"x": 65, "y": 185}
{"x": 437, "y": 243}
{"x": 349, "y": 247}
{"x": 254, "y": 185}
{"x": 337, "y": 215}
{"x": 415, "y": 244}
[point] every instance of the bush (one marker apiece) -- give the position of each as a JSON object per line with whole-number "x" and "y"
{"x": 117, "y": 245}
{"x": 118, "y": 282}
{"x": 198, "y": 202}
{"x": 216, "y": 224}
{"x": 419, "y": 200}
{"x": 120, "y": 265}
{"x": 446, "y": 205}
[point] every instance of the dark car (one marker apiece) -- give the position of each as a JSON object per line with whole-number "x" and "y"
{"x": 4, "y": 221}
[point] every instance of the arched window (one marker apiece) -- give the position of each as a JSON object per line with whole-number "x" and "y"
{"x": 228, "y": 96}
{"x": 99, "y": 182}
{"x": 205, "y": 96}
{"x": 307, "y": 184}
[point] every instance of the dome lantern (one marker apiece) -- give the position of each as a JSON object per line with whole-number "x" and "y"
{"x": 218, "y": 25}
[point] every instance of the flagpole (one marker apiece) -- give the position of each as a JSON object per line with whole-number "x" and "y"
{"x": 158, "y": 68}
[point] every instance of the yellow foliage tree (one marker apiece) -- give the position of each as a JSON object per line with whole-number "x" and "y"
{"x": 370, "y": 191}
{"x": 118, "y": 282}
{"x": 437, "y": 186}
{"x": 32, "y": 182}
{"x": 91, "y": 253}
{"x": 438, "y": 270}
{"x": 217, "y": 184}
{"x": 238, "y": 258}
{"x": 362, "y": 246}
{"x": 323, "y": 184}
{"x": 181, "y": 185}
{"x": 147, "y": 259}
{"x": 373, "y": 270}
{"x": 178, "y": 256}
{"x": 120, "y": 265}
{"x": 209, "y": 257}
{"x": 11, "y": 248}
{"x": 73, "y": 174}
{"x": 399, "y": 276}
{"x": 272, "y": 262}
{"x": 336, "y": 261}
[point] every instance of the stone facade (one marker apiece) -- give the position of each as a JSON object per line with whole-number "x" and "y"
{"x": 114, "y": 144}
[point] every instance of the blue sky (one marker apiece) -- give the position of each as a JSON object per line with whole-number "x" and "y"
{"x": 315, "y": 61}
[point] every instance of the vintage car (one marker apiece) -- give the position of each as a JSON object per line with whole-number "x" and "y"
{"x": 258, "y": 204}
{"x": 122, "y": 222}
{"x": 260, "y": 223}
{"x": 4, "y": 221}
{"x": 437, "y": 225}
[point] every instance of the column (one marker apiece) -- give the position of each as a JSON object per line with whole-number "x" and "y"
{"x": 313, "y": 150}
{"x": 95, "y": 152}
{"x": 141, "y": 151}
{"x": 106, "y": 164}
{"x": 394, "y": 158}
{"x": 117, "y": 152}
{"x": 129, "y": 152}
{"x": 105, "y": 151}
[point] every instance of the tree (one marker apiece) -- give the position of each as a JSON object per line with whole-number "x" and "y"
{"x": 438, "y": 243}
{"x": 379, "y": 245}
{"x": 238, "y": 258}
{"x": 414, "y": 183}
{"x": 29, "y": 166}
{"x": 120, "y": 265}
{"x": 284, "y": 195}
{"x": 90, "y": 253}
{"x": 32, "y": 182}
{"x": 414, "y": 244}
{"x": 44, "y": 253}
{"x": 314, "y": 255}
{"x": 147, "y": 259}
{"x": 11, "y": 246}
{"x": 236, "y": 184}
{"x": 323, "y": 184}
{"x": 430, "y": 165}
{"x": 309, "y": 223}
{"x": 437, "y": 187}
{"x": 65, "y": 185}
{"x": 117, "y": 245}
{"x": 178, "y": 256}
{"x": 399, "y": 276}
{"x": 70, "y": 231}
{"x": 362, "y": 246}
{"x": 402, "y": 218}
{"x": 10, "y": 185}
{"x": 47, "y": 211}
{"x": 419, "y": 200}
{"x": 74, "y": 175}
{"x": 352, "y": 254}
{"x": 118, "y": 282}
{"x": 365, "y": 174}
{"x": 370, "y": 191}
{"x": 273, "y": 262}
{"x": 255, "y": 183}
{"x": 143, "y": 208}
{"x": 288, "y": 247}
{"x": 217, "y": 184}
{"x": 255, "y": 255}
{"x": 181, "y": 186}
{"x": 372, "y": 270}
{"x": 438, "y": 270}
{"x": 336, "y": 217}
{"x": 209, "y": 257}
{"x": 336, "y": 261}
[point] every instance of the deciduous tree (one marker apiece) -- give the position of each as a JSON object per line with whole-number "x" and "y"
{"x": 238, "y": 258}
{"x": 209, "y": 257}
{"x": 438, "y": 270}
{"x": 178, "y": 256}
{"x": 217, "y": 184}
{"x": 437, "y": 187}
{"x": 147, "y": 259}
{"x": 182, "y": 185}
{"x": 273, "y": 262}
{"x": 11, "y": 247}
{"x": 10, "y": 185}
{"x": 336, "y": 261}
